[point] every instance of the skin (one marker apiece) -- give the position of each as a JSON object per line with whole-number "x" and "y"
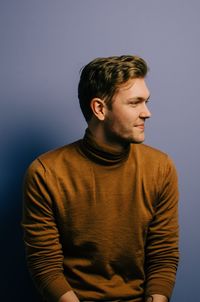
{"x": 123, "y": 124}
{"x": 71, "y": 297}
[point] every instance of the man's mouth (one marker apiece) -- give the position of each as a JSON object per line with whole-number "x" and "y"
{"x": 140, "y": 126}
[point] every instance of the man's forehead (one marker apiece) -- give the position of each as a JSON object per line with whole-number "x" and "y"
{"x": 131, "y": 82}
{"x": 136, "y": 84}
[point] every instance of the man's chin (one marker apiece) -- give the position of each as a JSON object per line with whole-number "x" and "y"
{"x": 124, "y": 141}
{"x": 136, "y": 141}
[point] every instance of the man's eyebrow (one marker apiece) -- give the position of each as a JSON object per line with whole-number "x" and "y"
{"x": 136, "y": 99}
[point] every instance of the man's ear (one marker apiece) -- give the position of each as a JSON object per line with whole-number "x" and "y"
{"x": 98, "y": 107}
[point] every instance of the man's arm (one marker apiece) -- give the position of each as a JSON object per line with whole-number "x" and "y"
{"x": 162, "y": 253}
{"x": 41, "y": 236}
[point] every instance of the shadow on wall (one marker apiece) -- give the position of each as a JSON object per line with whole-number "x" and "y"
{"x": 22, "y": 148}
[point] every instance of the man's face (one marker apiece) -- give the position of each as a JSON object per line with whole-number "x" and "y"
{"x": 125, "y": 121}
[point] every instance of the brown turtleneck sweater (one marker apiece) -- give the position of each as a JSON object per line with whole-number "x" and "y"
{"x": 101, "y": 223}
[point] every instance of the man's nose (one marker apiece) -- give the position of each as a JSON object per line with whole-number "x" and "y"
{"x": 145, "y": 112}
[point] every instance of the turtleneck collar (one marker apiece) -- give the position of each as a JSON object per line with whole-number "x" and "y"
{"x": 101, "y": 153}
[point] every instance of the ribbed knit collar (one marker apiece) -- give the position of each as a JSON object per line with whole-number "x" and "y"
{"x": 102, "y": 153}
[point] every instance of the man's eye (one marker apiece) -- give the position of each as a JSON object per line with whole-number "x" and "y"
{"x": 133, "y": 104}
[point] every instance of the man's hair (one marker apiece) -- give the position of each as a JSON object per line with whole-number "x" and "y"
{"x": 101, "y": 78}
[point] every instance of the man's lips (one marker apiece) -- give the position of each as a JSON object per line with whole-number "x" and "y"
{"x": 140, "y": 126}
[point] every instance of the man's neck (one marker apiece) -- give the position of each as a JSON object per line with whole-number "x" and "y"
{"x": 100, "y": 136}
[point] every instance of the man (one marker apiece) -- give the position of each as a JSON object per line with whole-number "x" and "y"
{"x": 100, "y": 214}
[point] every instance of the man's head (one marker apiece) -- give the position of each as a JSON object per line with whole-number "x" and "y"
{"x": 102, "y": 77}
{"x": 113, "y": 97}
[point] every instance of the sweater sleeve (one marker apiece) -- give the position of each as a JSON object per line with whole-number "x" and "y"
{"x": 162, "y": 253}
{"x": 41, "y": 236}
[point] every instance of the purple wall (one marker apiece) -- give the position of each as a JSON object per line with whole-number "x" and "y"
{"x": 43, "y": 44}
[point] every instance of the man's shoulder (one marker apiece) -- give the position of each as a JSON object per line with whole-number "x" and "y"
{"x": 151, "y": 156}
{"x": 64, "y": 150}
{"x": 152, "y": 159}
{"x": 56, "y": 157}
{"x": 149, "y": 151}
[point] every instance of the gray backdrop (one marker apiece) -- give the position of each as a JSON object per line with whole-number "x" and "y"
{"x": 43, "y": 44}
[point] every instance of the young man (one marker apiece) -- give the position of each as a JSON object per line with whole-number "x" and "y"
{"x": 100, "y": 215}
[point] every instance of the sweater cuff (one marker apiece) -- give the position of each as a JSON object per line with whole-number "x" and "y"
{"x": 156, "y": 287}
{"x": 56, "y": 288}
